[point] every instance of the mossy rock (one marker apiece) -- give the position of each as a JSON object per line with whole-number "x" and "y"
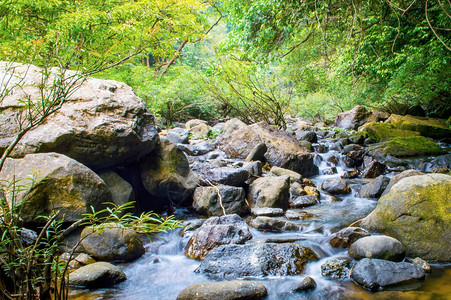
{"x": 410, "y": 146}
{"x": 429, "y": 127}
{"x": 379, "y": 132}
{"x": 417, "y": 212}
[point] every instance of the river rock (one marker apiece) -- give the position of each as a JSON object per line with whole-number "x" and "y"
{"x": 416, "y": 212}
{"x": 112, "y": 243}
{"x": 304, "y": 201}
{"x": 27, "y": 236}
{"x": 257, "y": 153}
{"x": 217, "y": 231}
{"x": 335, "y": 186}
{"x": 208, "y": 200}
{"x": 307, "y": 284}
{"x": 350, "y": 174}
{"x": 354, "y": 158}
{"x": 398, "y": 177}
{"x": 440, "y": 164}
{"x": 373, "y": 168}
{"x": 429, "y": 127}
{"x": 267, "y": 212}
{"x": 121, "y": 190}
{"x": 353, "y": 118}
{"x": 376, "y": 274}
{"x": 273, "y": 224}
{"x": 227, "y": 290}
{"x": 62, "y": 184}
{"x": 226, "y": 175}
{"x": 96, "y": 275}
{"x": 200, "y": 131}
{"x": 166, "y": 174}
{"x": 294, "y": 176}
{"x": 296, "y": 189}
{"x": 421, "y": 263}
{"x": 283, "y": 150}
{"x": 408, "y": 146}
{"x": 270, "y": 192}
{"x": 377, "y": 246}
{"x": 194, "y": 122}
{"x": 374, "y": 188}
{"x": 309, "y": 136}
{"x": 178, "y": 136}
{"x": 197, "y": 149}
{"x": 346, "y": 236}
{"x": 336, "y": 268}
{"x": 256, "y": 259}
{"x": 102, "y": 123}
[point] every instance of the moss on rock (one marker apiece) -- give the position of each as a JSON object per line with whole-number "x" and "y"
{"x": 410, "y": 146}
{"x": 429, "y": 127}
{"x": 379, "y": 132}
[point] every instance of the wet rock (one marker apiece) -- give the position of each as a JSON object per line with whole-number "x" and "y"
{"x": 329, "y": 171}
{"x": 377, "y": 274}
{"x": 375, "y": 188}
{"x": 101, "y": 124}
{"x": 200, "y": 131}
{"x": 440, "y": 164}
{"x": 350, "y": 174}
{"x": 395, "y": 179}
{"x": 373, "y": 168}
{"x": 307, "y": 284}
{"x": 270, "y": 192}
{"x": 298, "y": 215}
{"x": 304, "y": 201}
{"x": 257, "y": 153}
{"x": 296, "y": 189}
{"x": 267, "y": 212}
{"x": 408, "y": 146}
{"x": 80, "y": 260}
{"x": 217, "y": 231}
{"x": 272, "y": 224}
{"x": 377, "y": 246}
{"x": 294, "y": 176}
{"x": 178, "y": 136}
{"x": 309, "y": 136}
{"x": 336, "y": 268}
{"x": 346, "y": 236}
{"x": 121, "y": 190}
{"x": 96, "y": 275}
{"x": 166, "y": 174}
{"x": 352, "y": 119}
{"x": 112, "y": 243}
{"x": 258, "y": 259}
{"x": 283, "y": 150}
{"x": 416, "y": 212}
{"x": 354, "y": 158}
{"x": 311, "y": 191}
{"x": 335, "y": 186}
{"x": 208, "y": 200}
{"x": 227, "y": 176}
{"x": 421, "y": 263}
{"x": 197, "y": 149}
{"x": 227, "y": 290}
{"x": 351, "y": 147}
{"x": 254, "y": 168}
{"x": 62, "y": 184}
{"x": 27, "y": 236}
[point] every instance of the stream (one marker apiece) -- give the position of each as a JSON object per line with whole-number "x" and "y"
{"x": 164, "y": 271}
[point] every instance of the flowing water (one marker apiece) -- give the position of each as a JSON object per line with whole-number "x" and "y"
{"x": 163, "y": 272}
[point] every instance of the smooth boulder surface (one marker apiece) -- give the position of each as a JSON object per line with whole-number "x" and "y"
{"x": 62, "y": 184}
{"x": 166, "y": 174}
{"x": 258, "y": 259}
{"x": 217, "y": 231}
{"x": 121, "y": 190}
{"x": 101, "y": 124}
{"x": 208, "y": 200}
{"x": 283, "y": 150}
{"x": 226, "y": 290}
{"x": 96, "y": 275}
{"x": 375, "y": 188}
{"x": 353, "y": 118}
{"x": 376, "y": 274}
{"x": 395, "y": 179}
{"x": 273, "y": 224}
{"x": 335, "y": 186}
{"x": 377, "y": 246}
{"x": 416, "y": 212}
{"x": 112, "y": 243}
{"x": 270, "y": 192}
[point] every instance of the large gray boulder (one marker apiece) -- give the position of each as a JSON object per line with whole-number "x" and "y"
{"x": 335, "y": 186}
{"x": 353, "y": 118}
{"x": 374, "y": 188}
{"x": 395, "y": 179}
{"x": 270, "y": 192}
{"x": 166, "y": 174}
{"x": 97, "y": 275}
{"x": 62, "y": 184}
{"x": 121, "y": 190}
{"x": 217, "y": 231}
{"x": 208, "y": 200}
{"x": 102, "y": 122}
{"x": 377, "y": 246}
{"x": 376, "y": 274}
{"x": 416, "y": 212}
{"x": 283, "y": 150}
{"x": 226, "y": 290}
{"x": 112, "y": 243}
{"x": 258, "y": 259}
